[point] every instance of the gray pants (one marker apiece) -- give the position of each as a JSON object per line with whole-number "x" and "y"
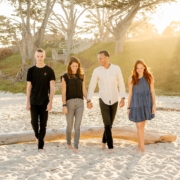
{"x": 75, "y": 110}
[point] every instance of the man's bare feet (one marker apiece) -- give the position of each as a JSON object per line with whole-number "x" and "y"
{"x": 111, "y": 151}
{"x": 41, "y": 150}
{"x": 75, "y": 150}
{"x": 103, "y": 146}
{"x": 69, "y": 146}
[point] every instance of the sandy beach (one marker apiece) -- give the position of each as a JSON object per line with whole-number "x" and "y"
{"x": 22, "y": 161}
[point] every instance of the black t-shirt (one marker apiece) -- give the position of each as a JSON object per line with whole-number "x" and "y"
{"x": 40, "y": 79}
{"x": 73, "y": 87}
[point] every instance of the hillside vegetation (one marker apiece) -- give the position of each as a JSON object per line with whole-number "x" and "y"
{"x": 160, "y": 54}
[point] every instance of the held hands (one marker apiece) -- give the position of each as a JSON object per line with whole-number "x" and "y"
{"x": 89, "y": 104}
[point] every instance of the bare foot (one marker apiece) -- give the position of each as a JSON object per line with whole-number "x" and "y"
{"x": 41, "y": 150}
{"x": 142, "y": 152}
{"x": 103, "y": 146}
{"x": 111, "y": 151}
{"x": 75, "y": 150}
{"x": 138, "y": 150}
{"x": 70, "y": 146}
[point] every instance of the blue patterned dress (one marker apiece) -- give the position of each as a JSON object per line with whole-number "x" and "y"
{"x": 141, "y": 102}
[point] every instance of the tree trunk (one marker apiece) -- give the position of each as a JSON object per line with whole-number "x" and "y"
{"x": 120, "y": 39}
{"x": 30, "y": 46}
{"x": 119, "y": 31}
{"x": 126, "y": 133}
{"x": 68, "y": 47}
{"x": 21, "y": 75}
{"x": 40, "y": 34}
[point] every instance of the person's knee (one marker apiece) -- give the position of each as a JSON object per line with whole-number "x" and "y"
{"x": 43, "y": 125}
{"x": 108, "y": 126}
{"x": 69, "y": 128}
{"x": 77, "y": 128}
{"x": 34, "y": 124}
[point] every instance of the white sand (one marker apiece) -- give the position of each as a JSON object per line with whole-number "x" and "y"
{"x": 22, "y": 161}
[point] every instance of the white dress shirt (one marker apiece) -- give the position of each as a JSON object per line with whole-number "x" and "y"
{"x": 110, "y": 82}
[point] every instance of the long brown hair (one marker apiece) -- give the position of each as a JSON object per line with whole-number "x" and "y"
{"x": 147, "y": 74}
{"x": 79, "y": 73}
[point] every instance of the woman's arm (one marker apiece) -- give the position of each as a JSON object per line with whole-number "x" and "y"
{"x": 84, "y": 90}
{"x": 130, "y": 87}
{"x": 153, "y": 96}
{"x": 63, "y": 87}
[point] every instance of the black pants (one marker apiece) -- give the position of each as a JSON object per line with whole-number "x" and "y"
{"x": 39, "y": 117}
{"x": 108, "y": 114}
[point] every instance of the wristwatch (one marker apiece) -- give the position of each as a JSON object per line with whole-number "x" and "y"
{"x": 64, "y": 105}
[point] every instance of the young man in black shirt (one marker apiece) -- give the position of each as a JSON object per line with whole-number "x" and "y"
{"x": 40, "y": 92}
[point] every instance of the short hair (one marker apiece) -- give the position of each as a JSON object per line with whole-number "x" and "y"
{"x": 106, "y": 53}
{"x": 40, "y": 50}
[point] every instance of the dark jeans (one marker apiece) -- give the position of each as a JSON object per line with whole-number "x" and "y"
{"x": 39, "y": 117}
{"x": 108, "y": 114}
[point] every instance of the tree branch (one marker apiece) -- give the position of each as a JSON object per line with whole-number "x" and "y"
{"x": 22, "y": 18}
{"x": 28, "y": 16}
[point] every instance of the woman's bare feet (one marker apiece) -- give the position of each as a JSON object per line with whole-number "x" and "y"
{"x": 69, "y": 146}
{"x": 103, "y": 146}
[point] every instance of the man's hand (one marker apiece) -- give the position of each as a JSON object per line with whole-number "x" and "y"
{"x": 28, "y": 106}
{"x": 121, "y": 103}
{"x": 49, "y": 106}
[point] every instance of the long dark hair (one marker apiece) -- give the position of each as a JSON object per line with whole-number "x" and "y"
{"x": 135, "y": 78}
{"x": 79, "y": 73}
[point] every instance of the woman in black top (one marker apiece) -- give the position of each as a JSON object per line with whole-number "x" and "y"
{"x": 73, "y": 91}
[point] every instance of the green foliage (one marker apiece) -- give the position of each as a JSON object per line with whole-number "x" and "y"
{"x": 160, "y": 54}
{"x": 7, "y": 85}
{"x": 11, "y": 65}
{"x": 49, "y": 53}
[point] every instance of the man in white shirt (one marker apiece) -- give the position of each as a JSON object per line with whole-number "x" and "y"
{"x": 109, "y": 78}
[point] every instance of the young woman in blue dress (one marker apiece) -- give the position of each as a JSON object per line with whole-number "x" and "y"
{"x": 141, "y": 99}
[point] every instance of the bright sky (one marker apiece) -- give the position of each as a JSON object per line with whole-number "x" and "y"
{"x": 162, "y": 18}
{"x": 165, "y": 15}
